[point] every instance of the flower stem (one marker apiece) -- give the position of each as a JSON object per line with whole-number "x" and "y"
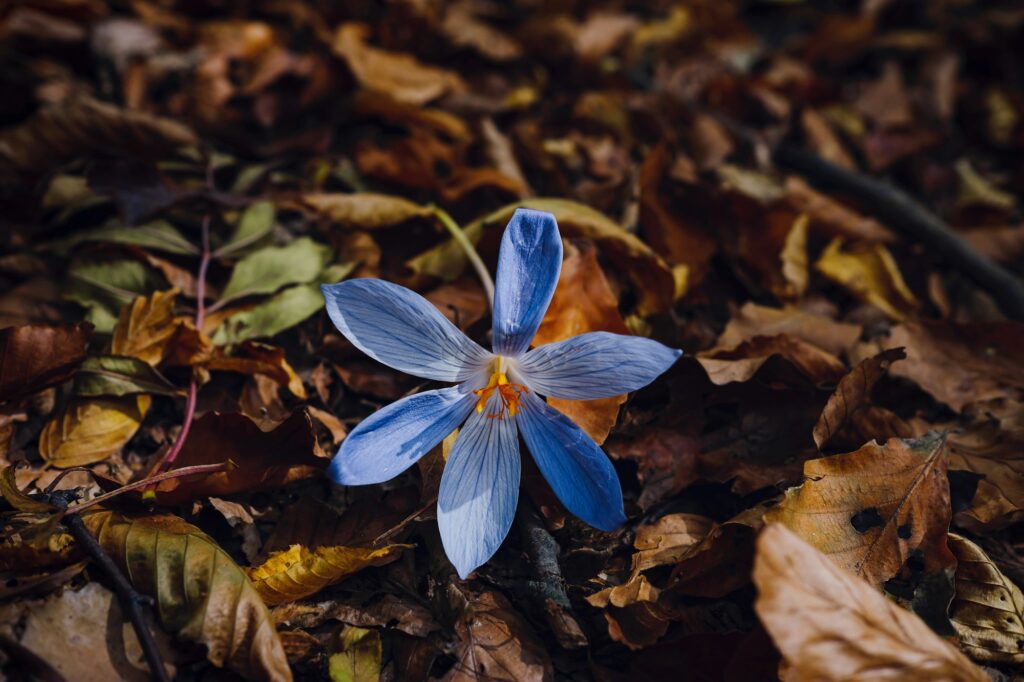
{"x": 467, "y": 246}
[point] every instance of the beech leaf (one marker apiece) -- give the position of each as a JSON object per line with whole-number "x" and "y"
{"x": 201, "y": 594}
{"x": 831, "y": 625}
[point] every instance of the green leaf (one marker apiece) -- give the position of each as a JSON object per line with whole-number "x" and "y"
{"x": 267, "y": 270}
{"x": 120, "y": 375}
{"x": 256, "y": 223}
{"x": 104, "y": 286}
{"x": 281, "y": 312}
{"x": 159, "y": 235}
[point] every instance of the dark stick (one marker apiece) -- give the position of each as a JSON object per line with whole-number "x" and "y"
{"x": 898, "y": 211}
{"x": 547, "y": 587}
{"x": 131, "y": 601}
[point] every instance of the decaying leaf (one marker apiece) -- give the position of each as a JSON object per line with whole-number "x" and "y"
{"x": 85, "y": 431}
{"x": 754, "y": 320}
{"x": 399, "y": 75}
{"x": 583, "y": 302}
{"x": 16, "y": 498}
{"x": 365, "y": 210}
{"x": 988, "y": 609}
{"x": 870, "y": 273}
{"x": 831, "y": 625}
{"x": 358, "y": 658}
{"x": 149, "y": 330}
{"x": 264, "y": 456}
{"x": 850, "y": 405}
{"x": 495, "y": 643}
{"x": 872, "y": 509}
{"x": 201, "y": 594}
{"x": 300, "y": 572}
{"x": 33, "y": 357}
{"x": 739, "y": 364}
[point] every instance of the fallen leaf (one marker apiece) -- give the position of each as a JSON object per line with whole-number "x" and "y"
{"x": 255, "y": 223}
{"x": 84, "y": 624}
{"x": 741, "y": 363}
{"x": 158, "y": 235}
{"x": 464, "y": 29}
{"x": 871, "y": 509}
{"x": 272, "y": 316}
{"x": 794, "y": 259}
{"x": 210, "y": 601}
{"x": 830, "y": 625}
{"x": 86, "y": 127}
{"x": 250, "y": 357}
{"x": 104, "y": 286}
{"x": 495, "y": 643}
{"x": 148, "y": 330}
{"x": 265, "y": 456}
{"x": 365, "y": 210}
{"x": 300, "y": 572}
{"x": 583, "y": 302}
{"x": 831, "y": 217}
{"x": 273, "y": 267}
{"x": 399, "y": 75}
{"x": 975, "y": 190}
{"x": 988, "y": 609}
{"x": 118, "y": 375}
{"x": 990, "y": 445}
{"x": 870, "y": 273}
{"x": 17, "y": 498}
{"x": 961, "y": 363}
{"x": 33, "y": 357}
{"x": 849, "y": 405}
{"x": 86, "y": 431}
{"x": 753, "y": 320}
{"x": 358, "y": 658}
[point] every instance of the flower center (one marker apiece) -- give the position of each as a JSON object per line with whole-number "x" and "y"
{"x": 507, "y": 391}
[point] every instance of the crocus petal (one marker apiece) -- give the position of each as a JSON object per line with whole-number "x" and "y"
{"x": 528, "y": 266}
{"x": 595, "y": 365}
{"x": 576, "y": 468}
{"x": 402, "y": 329}
{"x": 479, "y": 491}
{"x": 391, "y": 439}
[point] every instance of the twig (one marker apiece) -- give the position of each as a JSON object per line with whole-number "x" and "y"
{"x": 130, "y": 600}
{"x": 147, "y": 482}
{"x": 547, "y": 587}
{"x": 467, "y": 246}
{"x": 900, "y": 212}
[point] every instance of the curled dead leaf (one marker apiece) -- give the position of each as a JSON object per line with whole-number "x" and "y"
{"x": 300, "y": 572}
{"x": 830, "y": 625}
{"x": 201, "y": 594}
{"x": 33, "y": 357}
{"x": 871, "y": 509}
{"x": 870, "y": 273}
{"x": 739, "y": 364}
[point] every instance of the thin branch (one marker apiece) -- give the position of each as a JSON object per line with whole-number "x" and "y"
{"x": 898, "y": 211}
{"x": 131, "y": 601}
{"x": 467, "y": 246}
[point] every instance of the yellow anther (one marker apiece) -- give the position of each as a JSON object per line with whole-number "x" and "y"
{"x": 507, "y": 391}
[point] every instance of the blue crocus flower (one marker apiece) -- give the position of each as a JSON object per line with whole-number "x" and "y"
{"x": 497, "y": 395}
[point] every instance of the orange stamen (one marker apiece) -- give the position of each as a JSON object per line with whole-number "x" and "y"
{"x": 507, "y": 391}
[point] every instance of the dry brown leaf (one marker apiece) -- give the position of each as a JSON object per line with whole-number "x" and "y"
{"x": 869, "y": 510}
{"x": 86, "y": 127}
{"x": 300, "y": 572}
{"x": 823, "y": 141}
{"x": 848, "y": 406}
{"x": 870, "y": 273}
{"x": 85, "y": 431}
{"x": 720, "y": 563}
{"x": 201, "y": 594}
{"x": 250, "y": 357}
{"x": 753, "y": 320}
{"x": 33, "y": 357}
{"x": 988, "y": 609}
{"x": 739, "y": 364}
{"x": 463, "y": 29}
{"x": 17, "y": 498}
{"x": 583, "y": 302}
{"x": 830, "y": 625}
{"x": 831, "y": 217}
{"x": 495, "y": 643}
{"x": 264, "y": 456}
{"x": 365, "y": 210}
{"x": 397, "y": 74}
{"x": 991, "y": 445}
{"x": 794, "y": 260}
{"x": 147, "y": 329}
{"x": 960, "y": 364}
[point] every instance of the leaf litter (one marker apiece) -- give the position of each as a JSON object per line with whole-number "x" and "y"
{"x": 828, "y": 485}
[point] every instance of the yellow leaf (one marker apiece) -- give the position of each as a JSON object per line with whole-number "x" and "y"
{"x": 299, "y": 572}
{"x": 365, "y": 210}
{"x": 975, "y": 190}
{"x": 868, "y": 510}
{"x": 869, "y": 272}
{"x": 147, "y": 329}
{"x": 359, "y": 657}
{"x": 832, "y": 626}
{"x": 16, "y": 498}
{"x": 201, "y": 594}
{"x": 794, "y": 258}
{"x": 988, "y": 609}
{"x": 87, "y": 431}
